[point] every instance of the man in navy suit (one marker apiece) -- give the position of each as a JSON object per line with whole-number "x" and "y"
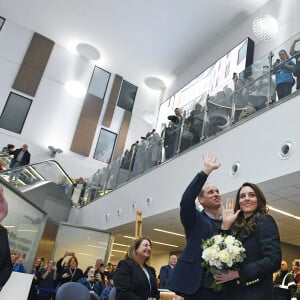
{"x": 165, "y": 271}
{"x": 189, "y": 278}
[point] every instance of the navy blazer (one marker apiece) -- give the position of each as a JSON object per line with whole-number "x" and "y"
{"x": 263, "y": 258}
{"x": 5, "y": 260}
{"x": 164, "y": 274}
{"x": 132, "y": 283}
{"x": 188, "y": 272}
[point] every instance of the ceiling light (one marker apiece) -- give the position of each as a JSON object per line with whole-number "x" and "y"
{"x": 123, "y": 245}
{"x": 265, "y": 27}
{"x": 27, "y": 230}
{"x": 129, "y": 237}
{"x": 153, "y": 242}
{"x": 121, "y": 251}
{"x": 169, "y": 232}
{"x": 95, "y": 246}
{"x": 88, "y": 51}
{"x": 9, "y": 226}
{"x": 154, "y": 83}
{"x": 165, "y": 244}
{"x": 283, "y": 212}
{"x": 75, "y": 88}
{"x": 85, "y": 254}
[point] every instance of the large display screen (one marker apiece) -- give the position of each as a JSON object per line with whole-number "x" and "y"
{"x": 214, "y": 79}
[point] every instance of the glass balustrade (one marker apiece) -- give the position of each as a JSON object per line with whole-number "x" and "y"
{"x": 36, "y": 174}
{"x": 253, "y": 91}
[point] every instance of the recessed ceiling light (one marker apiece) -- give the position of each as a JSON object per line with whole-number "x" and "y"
{"x": 88, "y": 51}
{"x": 75, "y": 88}
{"x": 154, "y": 83}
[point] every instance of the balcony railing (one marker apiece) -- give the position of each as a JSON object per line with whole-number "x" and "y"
{"x": 248, "y": 94}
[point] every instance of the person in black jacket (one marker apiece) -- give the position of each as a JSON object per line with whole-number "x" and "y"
{"x": 133, "y": 278}
{"x": 5, "y": 260}
{"x": 189, "y": 278}
{"x": 21, "y": 157}
{"x": 248, "y": 220}
{"x": 165, "y": 271}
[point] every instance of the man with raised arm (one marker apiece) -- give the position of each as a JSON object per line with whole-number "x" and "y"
{"x": 188, "y": 278}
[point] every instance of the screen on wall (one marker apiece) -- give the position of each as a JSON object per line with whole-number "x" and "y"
{"x": 212, "y": 80}
{"x": 15, "y": 112}
{"x": 127, "y": 95}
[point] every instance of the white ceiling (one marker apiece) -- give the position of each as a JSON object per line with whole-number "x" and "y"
{"x": 136, "y": 38}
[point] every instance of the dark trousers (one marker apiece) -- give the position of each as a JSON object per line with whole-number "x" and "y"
{"x": 284, "y": 89}
{"x": 205, "y": 294}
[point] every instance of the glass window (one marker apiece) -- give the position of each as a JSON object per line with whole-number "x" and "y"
{"x": 15, "y": 112}
{"x": 99, "y": 82}
{"x": 88, "y": 244}
{"x": 105, "y": 145}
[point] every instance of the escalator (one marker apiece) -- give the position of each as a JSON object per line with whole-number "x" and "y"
{"x": 39, "y": 200}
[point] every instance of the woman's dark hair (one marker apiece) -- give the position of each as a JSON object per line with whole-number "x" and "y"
{"x": 86, "y": 271}
{"x": 242, "y": 227}
{"x": 131, "y": 253}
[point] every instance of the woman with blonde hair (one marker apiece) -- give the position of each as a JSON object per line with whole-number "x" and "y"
{"x": 133, "y": 278}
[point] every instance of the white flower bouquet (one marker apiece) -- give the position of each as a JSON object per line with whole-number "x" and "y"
{"x": 220, "y": 254}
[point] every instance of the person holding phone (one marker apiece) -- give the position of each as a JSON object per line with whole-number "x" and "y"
{"x": 5, "y": 260}
{"x": 90, "y": 281}
{"x": 70, "y": 274}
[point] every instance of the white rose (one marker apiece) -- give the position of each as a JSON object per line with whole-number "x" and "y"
{"x": 224, "y": 256}
{"x": 229, "y": 240}
{"x": 218, "y": 239}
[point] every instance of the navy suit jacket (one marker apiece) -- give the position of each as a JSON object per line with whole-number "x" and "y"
{"x": 164, "y": 274}
{"x": 188, "y": 272}
{"x": 263, "y": 258}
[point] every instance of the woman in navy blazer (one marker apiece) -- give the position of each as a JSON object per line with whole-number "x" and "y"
{"x": 133, "y": 278}
{"x": 250, "y": 223}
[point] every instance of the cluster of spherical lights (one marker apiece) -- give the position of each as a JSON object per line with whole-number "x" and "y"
{"x": 265, "y": 27}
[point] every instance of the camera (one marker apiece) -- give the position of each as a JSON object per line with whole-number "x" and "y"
{"x": 297, "y": 263}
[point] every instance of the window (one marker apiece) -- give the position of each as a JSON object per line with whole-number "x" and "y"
{"x": 105, "y": 145}
{"x": 15, "y": 112}
{"x": 99, "y": 82}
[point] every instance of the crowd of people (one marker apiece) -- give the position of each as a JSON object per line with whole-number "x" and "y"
{"x": 48, "y": 276}
{"x": 261, "y": 275}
